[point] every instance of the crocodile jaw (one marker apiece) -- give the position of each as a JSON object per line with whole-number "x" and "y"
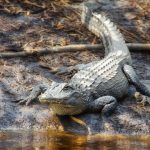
{"x": 62, "y": 107}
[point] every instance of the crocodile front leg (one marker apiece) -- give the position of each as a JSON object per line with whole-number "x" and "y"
{"x": 36, "y": 91}
{"x": 133, "y": 79}
{"x": 106, "y": 104}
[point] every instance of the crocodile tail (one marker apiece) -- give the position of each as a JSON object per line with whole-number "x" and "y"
{"x": 102, "y": 27}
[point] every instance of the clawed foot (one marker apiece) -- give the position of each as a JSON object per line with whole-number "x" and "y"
{"x": 32, "y": 97}
{"x": 24, "y": 100}
{"x": 142, "y": 99}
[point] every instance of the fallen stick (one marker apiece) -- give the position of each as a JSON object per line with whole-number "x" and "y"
{"x": 138, "y": 47}
{"x": 135, "y": 47}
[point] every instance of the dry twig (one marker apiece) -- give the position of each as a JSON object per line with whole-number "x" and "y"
{"x": 71, "y": 48}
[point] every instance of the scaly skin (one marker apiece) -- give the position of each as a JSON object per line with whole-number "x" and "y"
{"x": 97, "y": 85}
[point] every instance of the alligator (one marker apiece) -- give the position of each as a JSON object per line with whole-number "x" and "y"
{"x": 98, "y": 85}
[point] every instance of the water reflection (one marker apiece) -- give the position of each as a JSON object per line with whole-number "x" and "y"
{"x": 64, "y": 141}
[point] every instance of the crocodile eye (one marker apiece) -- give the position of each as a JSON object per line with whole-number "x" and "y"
{"x": 68, "y": 88}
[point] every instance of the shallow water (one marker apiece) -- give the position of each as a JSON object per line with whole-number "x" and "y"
{"x": 52, "y": 140}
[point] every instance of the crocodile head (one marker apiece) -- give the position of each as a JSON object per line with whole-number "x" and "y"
{"x": 63, "y": 99}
